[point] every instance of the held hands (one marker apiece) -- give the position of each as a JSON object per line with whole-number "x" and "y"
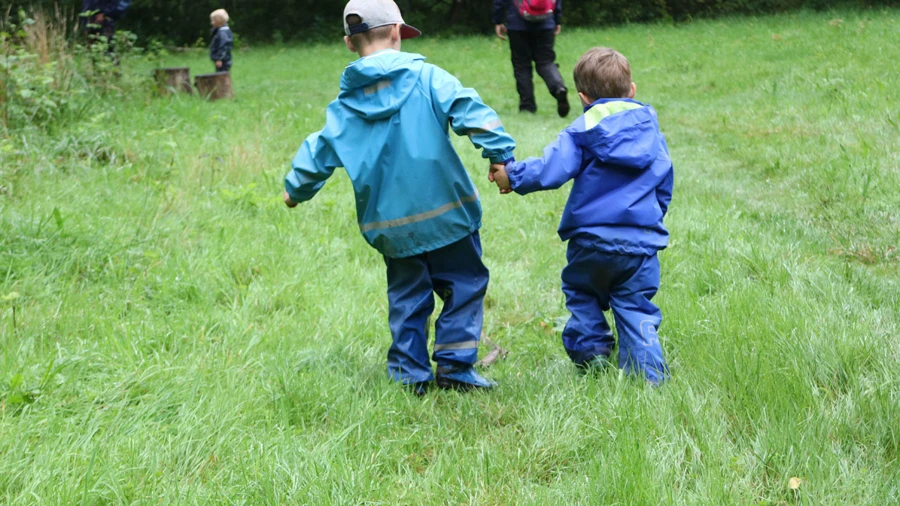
{"x": 497, "y": 174}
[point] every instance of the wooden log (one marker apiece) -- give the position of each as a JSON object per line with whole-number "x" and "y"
{"x": 214, "y": 86}
{"x": 173, "y": 80}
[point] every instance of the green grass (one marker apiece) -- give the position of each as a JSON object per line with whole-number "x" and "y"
{"x": 181, "y": 337}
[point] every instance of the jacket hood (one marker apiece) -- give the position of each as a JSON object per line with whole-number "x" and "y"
{"x": 376, "y": 86}
{"x": 620, "y": 132}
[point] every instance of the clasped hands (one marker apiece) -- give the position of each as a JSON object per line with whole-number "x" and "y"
{"x": 497, "y": 174}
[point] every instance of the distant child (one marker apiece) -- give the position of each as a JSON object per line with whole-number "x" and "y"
{"x": 613, "y": 219}
{"x": 222, "y": 40}
{"x": 415, "y": 202}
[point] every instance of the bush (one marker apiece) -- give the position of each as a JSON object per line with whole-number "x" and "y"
{"x": 46, "y": 77}
{"x": 38, "y": 70}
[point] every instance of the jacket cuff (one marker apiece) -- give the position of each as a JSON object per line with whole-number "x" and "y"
{"x": 515, "y": 176}
{"x": 504, "y": 157}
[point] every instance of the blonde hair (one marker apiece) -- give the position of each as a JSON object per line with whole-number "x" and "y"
{"x": 219, "y": 15}
{"x": 370, "y": 36}
{"x": 603, "y": 73}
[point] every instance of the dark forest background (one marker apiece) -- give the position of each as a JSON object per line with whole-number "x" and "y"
{"x": 185, "y": 21}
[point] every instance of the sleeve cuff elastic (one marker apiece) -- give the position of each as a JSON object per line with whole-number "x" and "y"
{"x": 504, "y": 157}
{"x": 515, "y": 177}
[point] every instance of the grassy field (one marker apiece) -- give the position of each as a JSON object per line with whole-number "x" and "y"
{"x": 171, "y": 334}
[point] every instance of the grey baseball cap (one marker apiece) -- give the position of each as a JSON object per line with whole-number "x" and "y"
{"x": 375, "y": 13}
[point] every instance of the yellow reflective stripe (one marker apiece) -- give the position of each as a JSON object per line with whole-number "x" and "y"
{"x": 596, "y": 114}
{"x": 376, "y": 225}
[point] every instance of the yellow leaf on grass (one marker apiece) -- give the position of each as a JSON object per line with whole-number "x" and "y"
{"x": 794, "y": 483}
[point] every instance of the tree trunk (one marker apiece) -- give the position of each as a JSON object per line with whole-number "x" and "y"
{"x": 215, "y": 86}
{"x": 173, "y": 80}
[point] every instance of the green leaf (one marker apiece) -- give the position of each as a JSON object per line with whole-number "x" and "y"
{"x": 57, "y": 217}
{"x": 16, "y": 381}
{"x": 11, "y": 296}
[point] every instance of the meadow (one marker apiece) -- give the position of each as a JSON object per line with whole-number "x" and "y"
{"x": 170, "y": 333}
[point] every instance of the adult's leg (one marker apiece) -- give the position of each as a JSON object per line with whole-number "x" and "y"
{"x": 637, "y": 318}
{"x": 460, "y": 279}
{"x": 587, "y": 334}
{"x": 545, "y": 60}
{"x": 411, "y": 302}
{"x": 521, "y": 48}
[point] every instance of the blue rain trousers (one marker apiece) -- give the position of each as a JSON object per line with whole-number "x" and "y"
{"x": 457, "y": 275}
{"x": 595, "y": 281}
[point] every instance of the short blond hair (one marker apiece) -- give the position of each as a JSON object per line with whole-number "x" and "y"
{"x": 219, "y": 15}
{"x": 368, "y": 37}
{"x": 603, "y": 72}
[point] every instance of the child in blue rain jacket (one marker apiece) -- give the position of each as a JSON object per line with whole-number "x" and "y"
{"x": 613, "y": 219}
{"x": 416, "y": 204}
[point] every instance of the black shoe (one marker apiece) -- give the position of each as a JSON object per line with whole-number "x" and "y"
{"x": 562, "y": 102}
{"x": 419, "y": 389}
{"x": 594, "y": 365}
{"x": 463, "y": 380}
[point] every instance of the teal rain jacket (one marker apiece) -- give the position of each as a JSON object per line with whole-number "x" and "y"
{"x": 389, "y": 129}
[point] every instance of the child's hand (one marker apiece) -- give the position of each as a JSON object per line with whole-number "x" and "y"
{"x": 218, "y": 66}
{"x": 497, "y": 174}
{"x": 288, "y": 202}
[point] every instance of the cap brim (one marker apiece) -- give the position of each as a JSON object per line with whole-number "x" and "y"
{"x": 408, "y": 32}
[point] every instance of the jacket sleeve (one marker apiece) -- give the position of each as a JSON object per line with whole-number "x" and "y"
{"x": 664, "y": 192}
{"x": 560, "y": 163}
{"x": 217, "y": 46}
{"x": 557, "y": 13}
{"x": 467, "y": 115}
{"x": 315, "y": 162}
{"x": 500, "y": 10}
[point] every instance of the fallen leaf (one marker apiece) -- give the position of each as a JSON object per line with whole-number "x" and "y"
{"x": 794, "y": 483}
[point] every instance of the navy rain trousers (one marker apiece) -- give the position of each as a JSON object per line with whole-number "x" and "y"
{"x": 595, "y": 281}
{"x": 458, "y": 276}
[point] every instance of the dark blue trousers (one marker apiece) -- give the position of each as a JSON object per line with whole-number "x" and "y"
{"x": 456, "y": 274}
{"x": 594, "y": 282}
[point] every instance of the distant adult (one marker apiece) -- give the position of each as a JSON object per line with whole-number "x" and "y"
{"x": 100, "y": 17}
{"x": 531, "y": 27}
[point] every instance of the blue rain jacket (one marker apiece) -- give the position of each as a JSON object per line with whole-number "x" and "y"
{"x": 389, "y": 129}
{"x": 623, "y": 178}
{"x": 221, "y": 44}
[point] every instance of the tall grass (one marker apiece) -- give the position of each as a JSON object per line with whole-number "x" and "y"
{"x": 182, "y": 338}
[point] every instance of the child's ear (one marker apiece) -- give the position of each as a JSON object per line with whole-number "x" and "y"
{"x": 585, "y": 100}
{"x": 633, "y": 90}
{"x": 395, "y": 33}
{"x": 350, "y": 45}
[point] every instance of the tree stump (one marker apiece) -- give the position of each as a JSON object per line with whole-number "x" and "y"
{"x": 214, "y": 86}
{"x": 173, "y": 80}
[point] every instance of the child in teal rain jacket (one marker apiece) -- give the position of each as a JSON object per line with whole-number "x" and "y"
{"x": 613, "y": 219}
{"x": 416, "y": 204}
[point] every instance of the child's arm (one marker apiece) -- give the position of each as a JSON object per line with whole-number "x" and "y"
{"x": 217, "y": 47}
{"x": 664, "y": 192}
{"x": 467, "y": 115}
{"x": 560, "y": 163}
{"x": 314, "y": 163}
